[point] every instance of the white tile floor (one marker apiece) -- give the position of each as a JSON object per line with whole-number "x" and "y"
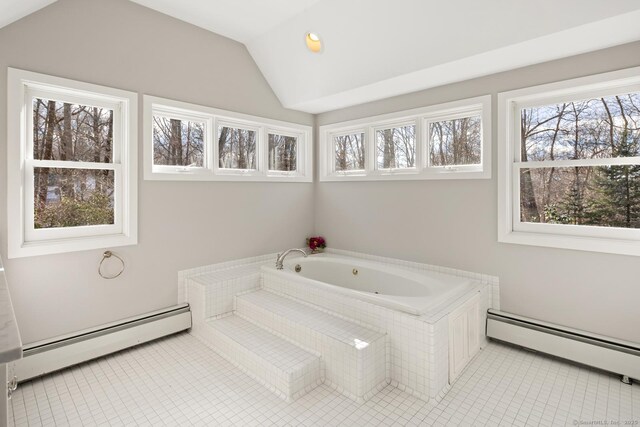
{"x": 178, "y": 381}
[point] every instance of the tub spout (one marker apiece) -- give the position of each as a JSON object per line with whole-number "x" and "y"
{"x": 281, "y": 257}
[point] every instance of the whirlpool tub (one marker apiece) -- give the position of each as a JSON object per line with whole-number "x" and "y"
{"x": 410, "y": 290}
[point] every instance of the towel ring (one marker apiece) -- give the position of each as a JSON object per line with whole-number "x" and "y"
{"x": 106, "y": 255}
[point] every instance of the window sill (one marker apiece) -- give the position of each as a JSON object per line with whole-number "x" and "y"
{"x": 50, "y": 247}
{"x": 579, "y": 243}
{"x": 225, "y": 177}
{"x": 408, "y": 175}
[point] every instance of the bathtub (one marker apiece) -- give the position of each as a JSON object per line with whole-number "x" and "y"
{"x": 415, "y": 292}
{"x": 434, "y": 323}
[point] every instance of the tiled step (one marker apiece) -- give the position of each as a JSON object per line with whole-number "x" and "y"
{"x": 210, "y": 294}
{"x": 284, "y": 368}
{"x": 353, "y": 355}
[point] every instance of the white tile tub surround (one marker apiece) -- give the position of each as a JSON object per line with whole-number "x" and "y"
{"x": 219, "y": 272}
{"x": 418, "y": 346}
{"x": 217, "y": 293}
{"x": 282, "y": 367}
{"x": 353, "y": 355}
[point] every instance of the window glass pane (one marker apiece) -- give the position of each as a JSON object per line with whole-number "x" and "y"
{"x": 72, "y": 132}
{"x": 73, "y": 197}
{"x": 455, "y": 142}
{"x": 607, "y": 196}
{"x": 178, "y": 142}
{"x": 349, "y": 151}
{"x": 237, "y": 148}
{"x": 282, "y": 152}
{"x": 594, "y": 128}
{"x": 396, "y": 147}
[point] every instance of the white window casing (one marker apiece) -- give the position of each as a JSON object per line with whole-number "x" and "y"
{"x": 215, "y": 118}
{"x": 511, "y": 229}
{"x": 23, "y": 238}
{"x": 421, "y": 118}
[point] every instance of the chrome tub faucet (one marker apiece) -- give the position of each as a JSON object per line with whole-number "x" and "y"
{"x": 281, "y": 257}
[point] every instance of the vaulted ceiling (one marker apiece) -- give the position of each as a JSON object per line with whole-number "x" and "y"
{"x": 373, "y": 49}
{"x": 12, "y": 10}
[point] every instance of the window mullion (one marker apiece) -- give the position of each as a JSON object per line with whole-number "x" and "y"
{"x": 64, "y": 164}
{"x": 612, "y": 161}
{"x": 371, "y": 146}
{"x": 427, "y": 142}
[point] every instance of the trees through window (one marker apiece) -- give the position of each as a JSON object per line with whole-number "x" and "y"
{"x": 456, "y": 142}
{"x": 349, "y": 152}
{"x": 192, "y": 142}
{"x": 445, "y": 141}
{"x": 283, "y": 152}
{"x": 396, "y": 147}
{"x": 72, "y": 133}
{"x": 236, "y": 148}
{"x": 570, "y": 164}
{"x": 178, "y": 142}
{"x": 72, "y": 168}
{"x": 596, "y": 129}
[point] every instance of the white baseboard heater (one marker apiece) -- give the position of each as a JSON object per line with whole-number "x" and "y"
{"x": 609, "y": 354}
{"x": 51, "y": 355}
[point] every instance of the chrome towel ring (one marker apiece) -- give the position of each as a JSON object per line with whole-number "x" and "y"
{"x": 106, "y": 255}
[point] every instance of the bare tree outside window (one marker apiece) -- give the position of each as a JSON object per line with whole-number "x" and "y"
{"x": 178, "y": 142}
{"x": 599, "y": 128}
{"x": 456, "y": 142}
{"x": 237, "y": 148}
{"x": 396, "y": 147}
{"x": 71, "y": 197}
{"x": 349, "y": 152}
{"x": 283, "y": 153}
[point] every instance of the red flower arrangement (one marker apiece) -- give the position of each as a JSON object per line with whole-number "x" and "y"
{"x": 316, "y": 243}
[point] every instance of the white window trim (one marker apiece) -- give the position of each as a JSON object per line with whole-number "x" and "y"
{"x": 193, "y": 116}
{"x": 274, "y": 173}
{"x": 23, "y": 240}
{"x": 234, "y": 124}
{"x": 214, "y": 118}
{"x": 376, "y": 170}
{"x": 585, "y": 238}
{"x": 421, "y": 117}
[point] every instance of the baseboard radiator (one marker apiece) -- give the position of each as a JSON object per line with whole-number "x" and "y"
{"x": 51, "y": 355}
{"x": 609, "y": 354}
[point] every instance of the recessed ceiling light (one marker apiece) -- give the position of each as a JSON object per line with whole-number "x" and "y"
{"x": 313, "y": 42}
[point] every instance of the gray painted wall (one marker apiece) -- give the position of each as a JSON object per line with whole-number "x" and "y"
{"x": 187, "y": 224}
{"x": 453, "y": 223}
{"x": 182, "y": 224}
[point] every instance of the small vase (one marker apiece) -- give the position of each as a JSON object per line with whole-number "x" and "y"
{"x": 317, "y": 251}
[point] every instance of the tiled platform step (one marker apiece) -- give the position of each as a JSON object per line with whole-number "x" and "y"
{"x": 353, "y": 355}
{"x": 211, "y": 293}
{"x": 284, "y": 368}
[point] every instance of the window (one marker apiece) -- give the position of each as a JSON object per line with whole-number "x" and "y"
{"x": 445, "y": 141}
{"x": 455, "y": 142}
{"x": 190, "y": 142}
{"x": 236, "y": 148}
{"x": 570, "y": 164}
{"x": 396, "y": 147}
{"x": 349, "y": 152}
{"x": 179, "y": 139}
{"x": 283, "y": 154}
{"x": 71, "y": 165}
